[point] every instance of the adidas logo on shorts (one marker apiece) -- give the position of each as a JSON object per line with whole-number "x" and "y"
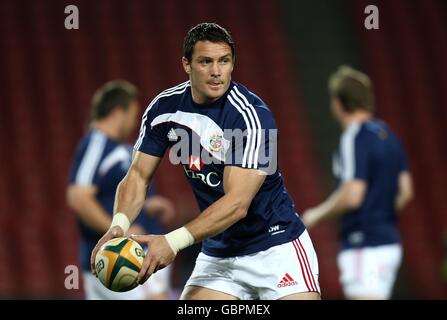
{"x": 287, "y": 281}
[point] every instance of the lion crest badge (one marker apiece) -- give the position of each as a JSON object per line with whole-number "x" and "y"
{"x": 216, "y": 142}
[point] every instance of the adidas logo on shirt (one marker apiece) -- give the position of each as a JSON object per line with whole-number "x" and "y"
{"x": 172, "y": 136}
{"x": 287, "y": 281}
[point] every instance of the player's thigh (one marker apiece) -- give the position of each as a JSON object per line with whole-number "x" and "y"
{"x": 213, "y": 278}
{"x": 302, "y": 296}
{"x": 201, "y": 293}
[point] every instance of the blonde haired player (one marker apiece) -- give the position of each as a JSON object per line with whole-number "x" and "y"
{"x": 374, "y": 184}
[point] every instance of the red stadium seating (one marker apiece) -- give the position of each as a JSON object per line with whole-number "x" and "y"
{"x": 49, "y": 75}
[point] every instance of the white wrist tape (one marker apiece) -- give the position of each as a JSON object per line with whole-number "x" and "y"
{"x": 121, "y": 220}
{"x": 179, "y": 239}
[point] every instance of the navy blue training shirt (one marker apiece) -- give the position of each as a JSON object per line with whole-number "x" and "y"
{"x": 371, "y": 152}
{"x": 172, "y": 119}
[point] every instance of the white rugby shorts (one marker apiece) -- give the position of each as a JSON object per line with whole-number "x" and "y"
{"x": 277, "y": 272}
{"x": 370, "y": 271}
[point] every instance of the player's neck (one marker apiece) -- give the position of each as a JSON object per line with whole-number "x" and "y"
{"x": 202, "y": 100}
{"x": 108, "y": 128}
{"x": 356, "y": 117}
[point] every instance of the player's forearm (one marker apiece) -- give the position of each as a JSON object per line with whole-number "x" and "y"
{"x": 402, "y": 200}
{"x": 215, "y": 219}
{"x": 156, "y": 204}
{"x": 337, "y": 204}
{"x": 130, "y": 195}
{"x": 83, "y": 201}
{"x": 405, "y": 193}
{"x": 241, "y": 186}
{"x": 93, "y": 215}
{"x": 218, "y": 217}
{"x": 333, "y": 206}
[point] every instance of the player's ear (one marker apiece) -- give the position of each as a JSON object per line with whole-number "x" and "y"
{"x": 336, "y": 107}
{"x": 186, "y": 65}
{"x": 118, "y": 112}
{"x": 233, "y": 61}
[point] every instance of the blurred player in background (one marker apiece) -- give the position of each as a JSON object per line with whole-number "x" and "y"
{"x": 255, "y": 246}
{"x": 100, "y": 163}
{"x": 373, "y": 185}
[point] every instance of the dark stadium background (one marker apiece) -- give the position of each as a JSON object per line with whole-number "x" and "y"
{"x": 285, "y": 50}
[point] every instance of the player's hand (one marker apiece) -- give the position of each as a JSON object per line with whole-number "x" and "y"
{"x": 159, "y": 255}
{"x": 114, "y": 232}
{"x": 160, "y": 207}
{"x": 310, "y": 217}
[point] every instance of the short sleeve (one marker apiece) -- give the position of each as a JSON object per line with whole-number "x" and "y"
{"x": 85, "y": 168}
{"x": 354, "y": 156}
{"x": 361, "y": 166}
{"x": 153, "y": 133}
{"x": 253, "y": 139}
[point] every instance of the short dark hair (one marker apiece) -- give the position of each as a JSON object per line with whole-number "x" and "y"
{"x": 113, "y": 94}
{"x": 206, "y": 32}
{"x": 353, "y": 88}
